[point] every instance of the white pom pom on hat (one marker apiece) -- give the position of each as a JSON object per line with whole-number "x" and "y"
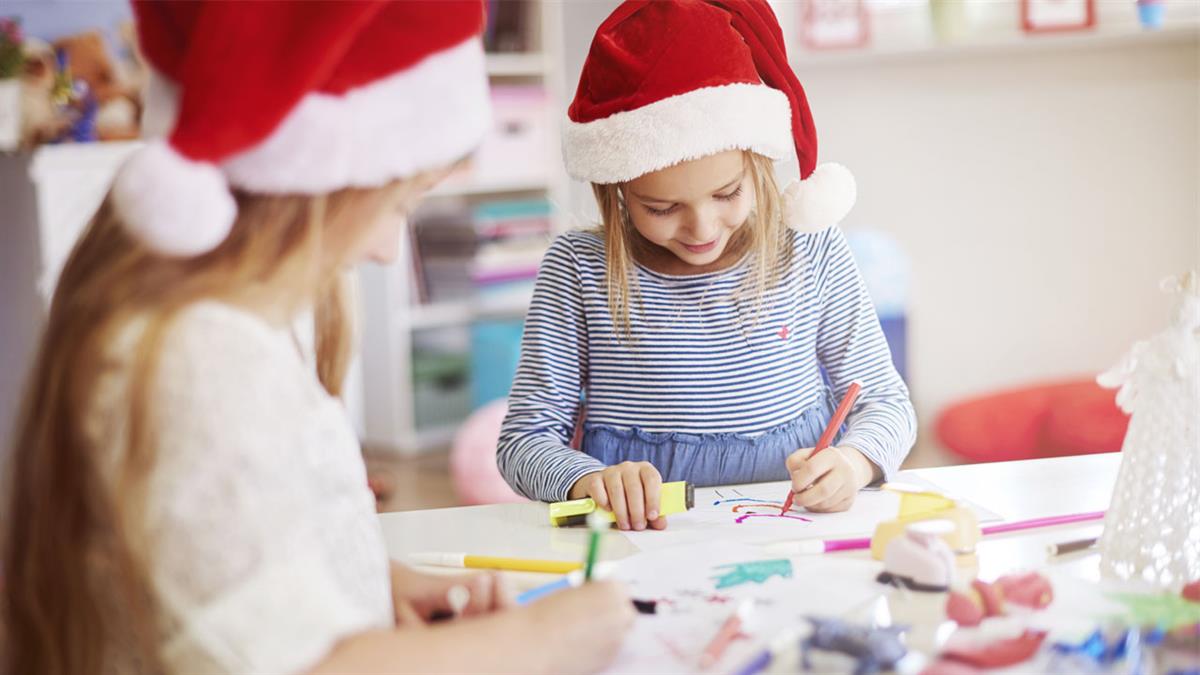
{"x": 821, "y": 200}
{"x": 174, "y": 205}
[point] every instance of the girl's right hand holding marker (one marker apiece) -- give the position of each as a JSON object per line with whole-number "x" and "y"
{"x": 631, "y": 490}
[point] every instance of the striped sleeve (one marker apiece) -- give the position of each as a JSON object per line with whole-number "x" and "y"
{"x": 533, "y": 453}
{"x": 851, "y": 347}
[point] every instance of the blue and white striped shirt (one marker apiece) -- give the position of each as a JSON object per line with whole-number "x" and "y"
{"x": 702, "y": 360}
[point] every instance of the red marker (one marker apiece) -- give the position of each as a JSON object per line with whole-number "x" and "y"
{"x": 835, "y": 423}
{"x": 727, "y": 633}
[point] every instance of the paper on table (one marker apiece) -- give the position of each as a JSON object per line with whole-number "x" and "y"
{"x": 697, "y": 587}
{"x": 750, "y": 514}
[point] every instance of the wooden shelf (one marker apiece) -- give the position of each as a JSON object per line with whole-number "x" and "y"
{"x": 438, "y": 314}
{"x": 517, "y": 65}
{"x": 1006, "y": 44}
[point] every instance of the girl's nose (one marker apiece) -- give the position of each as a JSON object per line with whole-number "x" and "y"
{"x": 703, "y": 226}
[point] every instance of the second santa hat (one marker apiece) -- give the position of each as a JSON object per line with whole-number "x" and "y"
{"x": 667, "y": 81}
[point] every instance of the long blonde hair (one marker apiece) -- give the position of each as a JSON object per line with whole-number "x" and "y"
{"x": 763, "y": 238}
{"x": 63, "y": 523}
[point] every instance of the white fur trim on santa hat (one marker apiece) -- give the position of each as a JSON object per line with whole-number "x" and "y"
{"x": 174, "y": 205}
{"x": 821, "y": 200}
{"x": 695, "y": 124}
{"x": 422, "y": 118}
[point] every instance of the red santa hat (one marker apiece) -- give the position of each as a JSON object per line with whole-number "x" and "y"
{"x": 294, "y": 97}
{"x": 667, "y": 81}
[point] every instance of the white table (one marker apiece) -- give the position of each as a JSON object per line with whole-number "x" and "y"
{"x": 1016, "y": 490}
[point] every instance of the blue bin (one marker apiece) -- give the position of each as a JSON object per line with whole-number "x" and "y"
{"x": 495, "y": 351}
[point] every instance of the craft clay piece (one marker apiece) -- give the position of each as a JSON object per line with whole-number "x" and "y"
{"x": 1030, "y": 590}
{"x": 921, "y": 559}
{"x": 873, "y": 649}
{"x": 997, "y": 653}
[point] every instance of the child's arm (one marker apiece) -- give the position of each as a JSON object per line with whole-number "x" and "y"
{"x": 573, "y": 631}
{"x": 851, "y": 346}
{"x": 543, "y": 405}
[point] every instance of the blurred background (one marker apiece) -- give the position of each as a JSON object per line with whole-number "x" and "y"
{"x": 1028, "y": 171}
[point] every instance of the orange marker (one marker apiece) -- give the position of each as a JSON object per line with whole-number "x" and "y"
{"x": 835, "y": 423}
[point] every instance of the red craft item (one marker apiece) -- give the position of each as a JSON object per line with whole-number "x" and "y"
{"x": 1030, "y": 590}
{"x": 997, "y": 654}
{"x": 963, "y": 610}
{"x": 1192, "y": 591}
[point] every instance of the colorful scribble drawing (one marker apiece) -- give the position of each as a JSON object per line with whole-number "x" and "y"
{"x": 762, "y": 509}
{"x": 755, "y": 571}
{"x": 736, "y": 496}
{"x": 741, "y": 519}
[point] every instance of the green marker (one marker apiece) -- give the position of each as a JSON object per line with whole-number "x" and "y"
{"x": 597, "y": 523}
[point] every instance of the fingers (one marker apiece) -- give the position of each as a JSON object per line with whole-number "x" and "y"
{"x": 797, "y": 459}
{"x": 635, "y": 495}
{"x": 652, "y": 483}
{"x": 615, "y": 486}
{"x": 596, "y": 489}
{"x": 633, "y": 492}
{"x": 809, "y": 471}
{"x": 832, "y": 489}
{"x": 659, "y": 523}
{"x": 504, "y": 596}
{"x": 406, "y": 616}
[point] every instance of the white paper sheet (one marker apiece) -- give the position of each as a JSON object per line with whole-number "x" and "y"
{"x": 751, "y": 514}
{"x": 697, "y": 587}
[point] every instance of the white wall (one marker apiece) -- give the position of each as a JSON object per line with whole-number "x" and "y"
{"x": 1041, "y": 195}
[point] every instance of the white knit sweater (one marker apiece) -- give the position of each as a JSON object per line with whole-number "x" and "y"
{"x": 265, "y": 543}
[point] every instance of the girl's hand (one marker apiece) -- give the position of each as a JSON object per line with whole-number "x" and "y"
{"x": 588, "y": 624}
{"x": 631, "y": 490}
{"x": 830, "y": 480}
{"x": 418, "y": 597}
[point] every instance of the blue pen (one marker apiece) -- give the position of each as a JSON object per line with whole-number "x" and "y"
{"x": 782, "y": 642}
{"x": 532, "y": 594}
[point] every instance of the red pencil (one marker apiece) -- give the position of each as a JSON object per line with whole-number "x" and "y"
{"x": 835, "y": 423}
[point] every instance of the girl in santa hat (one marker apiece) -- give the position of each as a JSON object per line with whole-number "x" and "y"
{"x": 711, "y": 322}
{"x": 186, "y": 492}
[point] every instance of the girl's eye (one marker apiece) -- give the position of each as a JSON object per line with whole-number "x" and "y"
{"x": 661, "y": 212}
{"x": 730, "y": 196}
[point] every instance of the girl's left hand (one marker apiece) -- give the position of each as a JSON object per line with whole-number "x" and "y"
{"x": 418, "y": 597}
{"x": 831, "y": 479}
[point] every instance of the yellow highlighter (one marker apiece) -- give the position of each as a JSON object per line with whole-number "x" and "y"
{"x": 676, "y": 497}
{"x": 488, "y": 562}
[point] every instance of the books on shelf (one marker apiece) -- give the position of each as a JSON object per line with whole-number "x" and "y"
{"x": 465, "y": 252}
{"x": 512, "y": 26}
{"x": 515, "y": 153}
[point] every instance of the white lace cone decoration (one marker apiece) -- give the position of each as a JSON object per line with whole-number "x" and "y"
{"x": 1152, "y": 528}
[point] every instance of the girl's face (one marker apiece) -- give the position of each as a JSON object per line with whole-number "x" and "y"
{"x": 692, "y": 209}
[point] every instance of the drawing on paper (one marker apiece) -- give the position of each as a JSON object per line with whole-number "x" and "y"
{"x": 756, "y": 508}
{"x": 753, "y": 572}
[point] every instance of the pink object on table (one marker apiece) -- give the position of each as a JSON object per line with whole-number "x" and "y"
{"x": 473, "y": 469}
{"x": 1030, "y": 590}
{"x": 920, "y": 559}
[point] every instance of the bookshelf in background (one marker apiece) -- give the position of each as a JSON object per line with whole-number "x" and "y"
{"x": 441, "y": 330}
